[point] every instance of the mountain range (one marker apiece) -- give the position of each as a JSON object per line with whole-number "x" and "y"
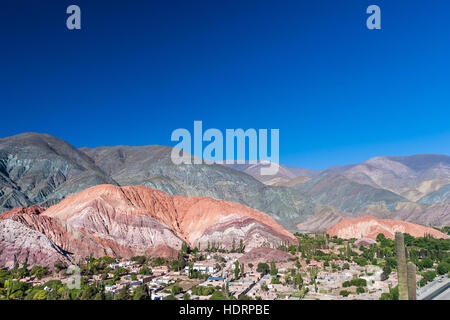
{"x": 370, "y": 227}
{"x": 39, "y": 169}
{"x": 129, "y": 221}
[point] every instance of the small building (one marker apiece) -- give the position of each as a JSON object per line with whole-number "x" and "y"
{"x": 111, "y": 289}
{"x": 202, "y": 267}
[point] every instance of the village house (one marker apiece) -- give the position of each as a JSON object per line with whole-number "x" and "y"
{"x": 111, "y": 289}
{"x": 204, "y": 267}
{"x": 122, "y": 264}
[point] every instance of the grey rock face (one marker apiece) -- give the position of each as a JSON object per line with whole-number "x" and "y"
{"x": 397, "y": 174}
{"x": 346, "y": 195}
{"x": 441, "y": 195}
{"x": 284, "y": 174}
{"x": 152, "y": 166}
{"x": 41, "y": 169}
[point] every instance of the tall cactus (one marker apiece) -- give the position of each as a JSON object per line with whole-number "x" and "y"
{"x": 401, "y": 266}
{"x": 411, "y": 270}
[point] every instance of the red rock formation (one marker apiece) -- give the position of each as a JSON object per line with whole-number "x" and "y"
{"x": 164, "y": 251}
{"x": 364, "y": 242}
{"x": 236, "y": 227}
{"x": 22, "y": 210}
{"x": 370, "y": 227}
{"x": 264, "y": 254}
{"x": 20, "y": 244}
{"x": 138, "y": 220}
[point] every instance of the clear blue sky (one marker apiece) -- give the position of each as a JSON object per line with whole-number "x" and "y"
{"x": 137, "y": 70}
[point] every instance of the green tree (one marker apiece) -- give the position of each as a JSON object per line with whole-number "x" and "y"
{"x": 39, "y": 271}
{"x": 123, "y": 294}
{"x": 241, "y": 246}
{"x": 40, "y": 295}
{"x": 344, "y": 293}
{"x": 184, "y": 248}
{"x": 429, "y": 275}
{"x": 263, "y": 268}
{"x": 176, "y": 290}
{"x": 186, "y": 296}
{"x": 386, "y": 272}
{"x": 139, "y": 259}
{"x": 217, "y": 295}
{"x": 144, "y": 271}
{"x": 236, "y": 269}
{"x": 391, "y": 262}
{"x": 392, "y": 295}
{"x": 298, "y": 280}
{"x": 275, "y": 280}
{"x": 443, "y": 268}
{"x": 141, "y": 293}
{"x": 273, "y": 269}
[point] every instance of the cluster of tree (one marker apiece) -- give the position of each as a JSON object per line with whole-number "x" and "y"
{"x": 263, "y": 268}
{"x": 215, "y": 247}
{"x": 427, "y": 276}
{"x": 240, "y": 249}
{"x": 139, "y": 293}
{"x": 94, "y": 266}
{"x": 294, "y": 278}
{"x": 36, "y": 271}
{"x": 423, "y": 251}
{"x": 239, "y": 270}
{"x": 308, "y": 245}
{"x": 203, "y": 290}
{"x": 197, "y": 274}
{"x": 391, "y": 295}
{"x": 386, "y": 272}
{"x": 55, "y": 290}
{"x": 344, "y": 293}
{"x": 176, "y": 290}
{"x": 357, "y": 282}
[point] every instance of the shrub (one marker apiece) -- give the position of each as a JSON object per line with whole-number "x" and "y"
{"x": 358, "y": 282}
{"x": 263, "y": 268}
{"x": 344, "y": 293}
{"x": 443, "y": 268}
{"x": 176, "y": 290}
{"x": 275, "y": 280}
{"x": 429, "y": 275}
{"x": 217, "y": 295}
{"x": 40, "y": 295}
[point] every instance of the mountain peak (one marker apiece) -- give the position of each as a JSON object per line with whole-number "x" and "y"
{"x": 370, "y": 227}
